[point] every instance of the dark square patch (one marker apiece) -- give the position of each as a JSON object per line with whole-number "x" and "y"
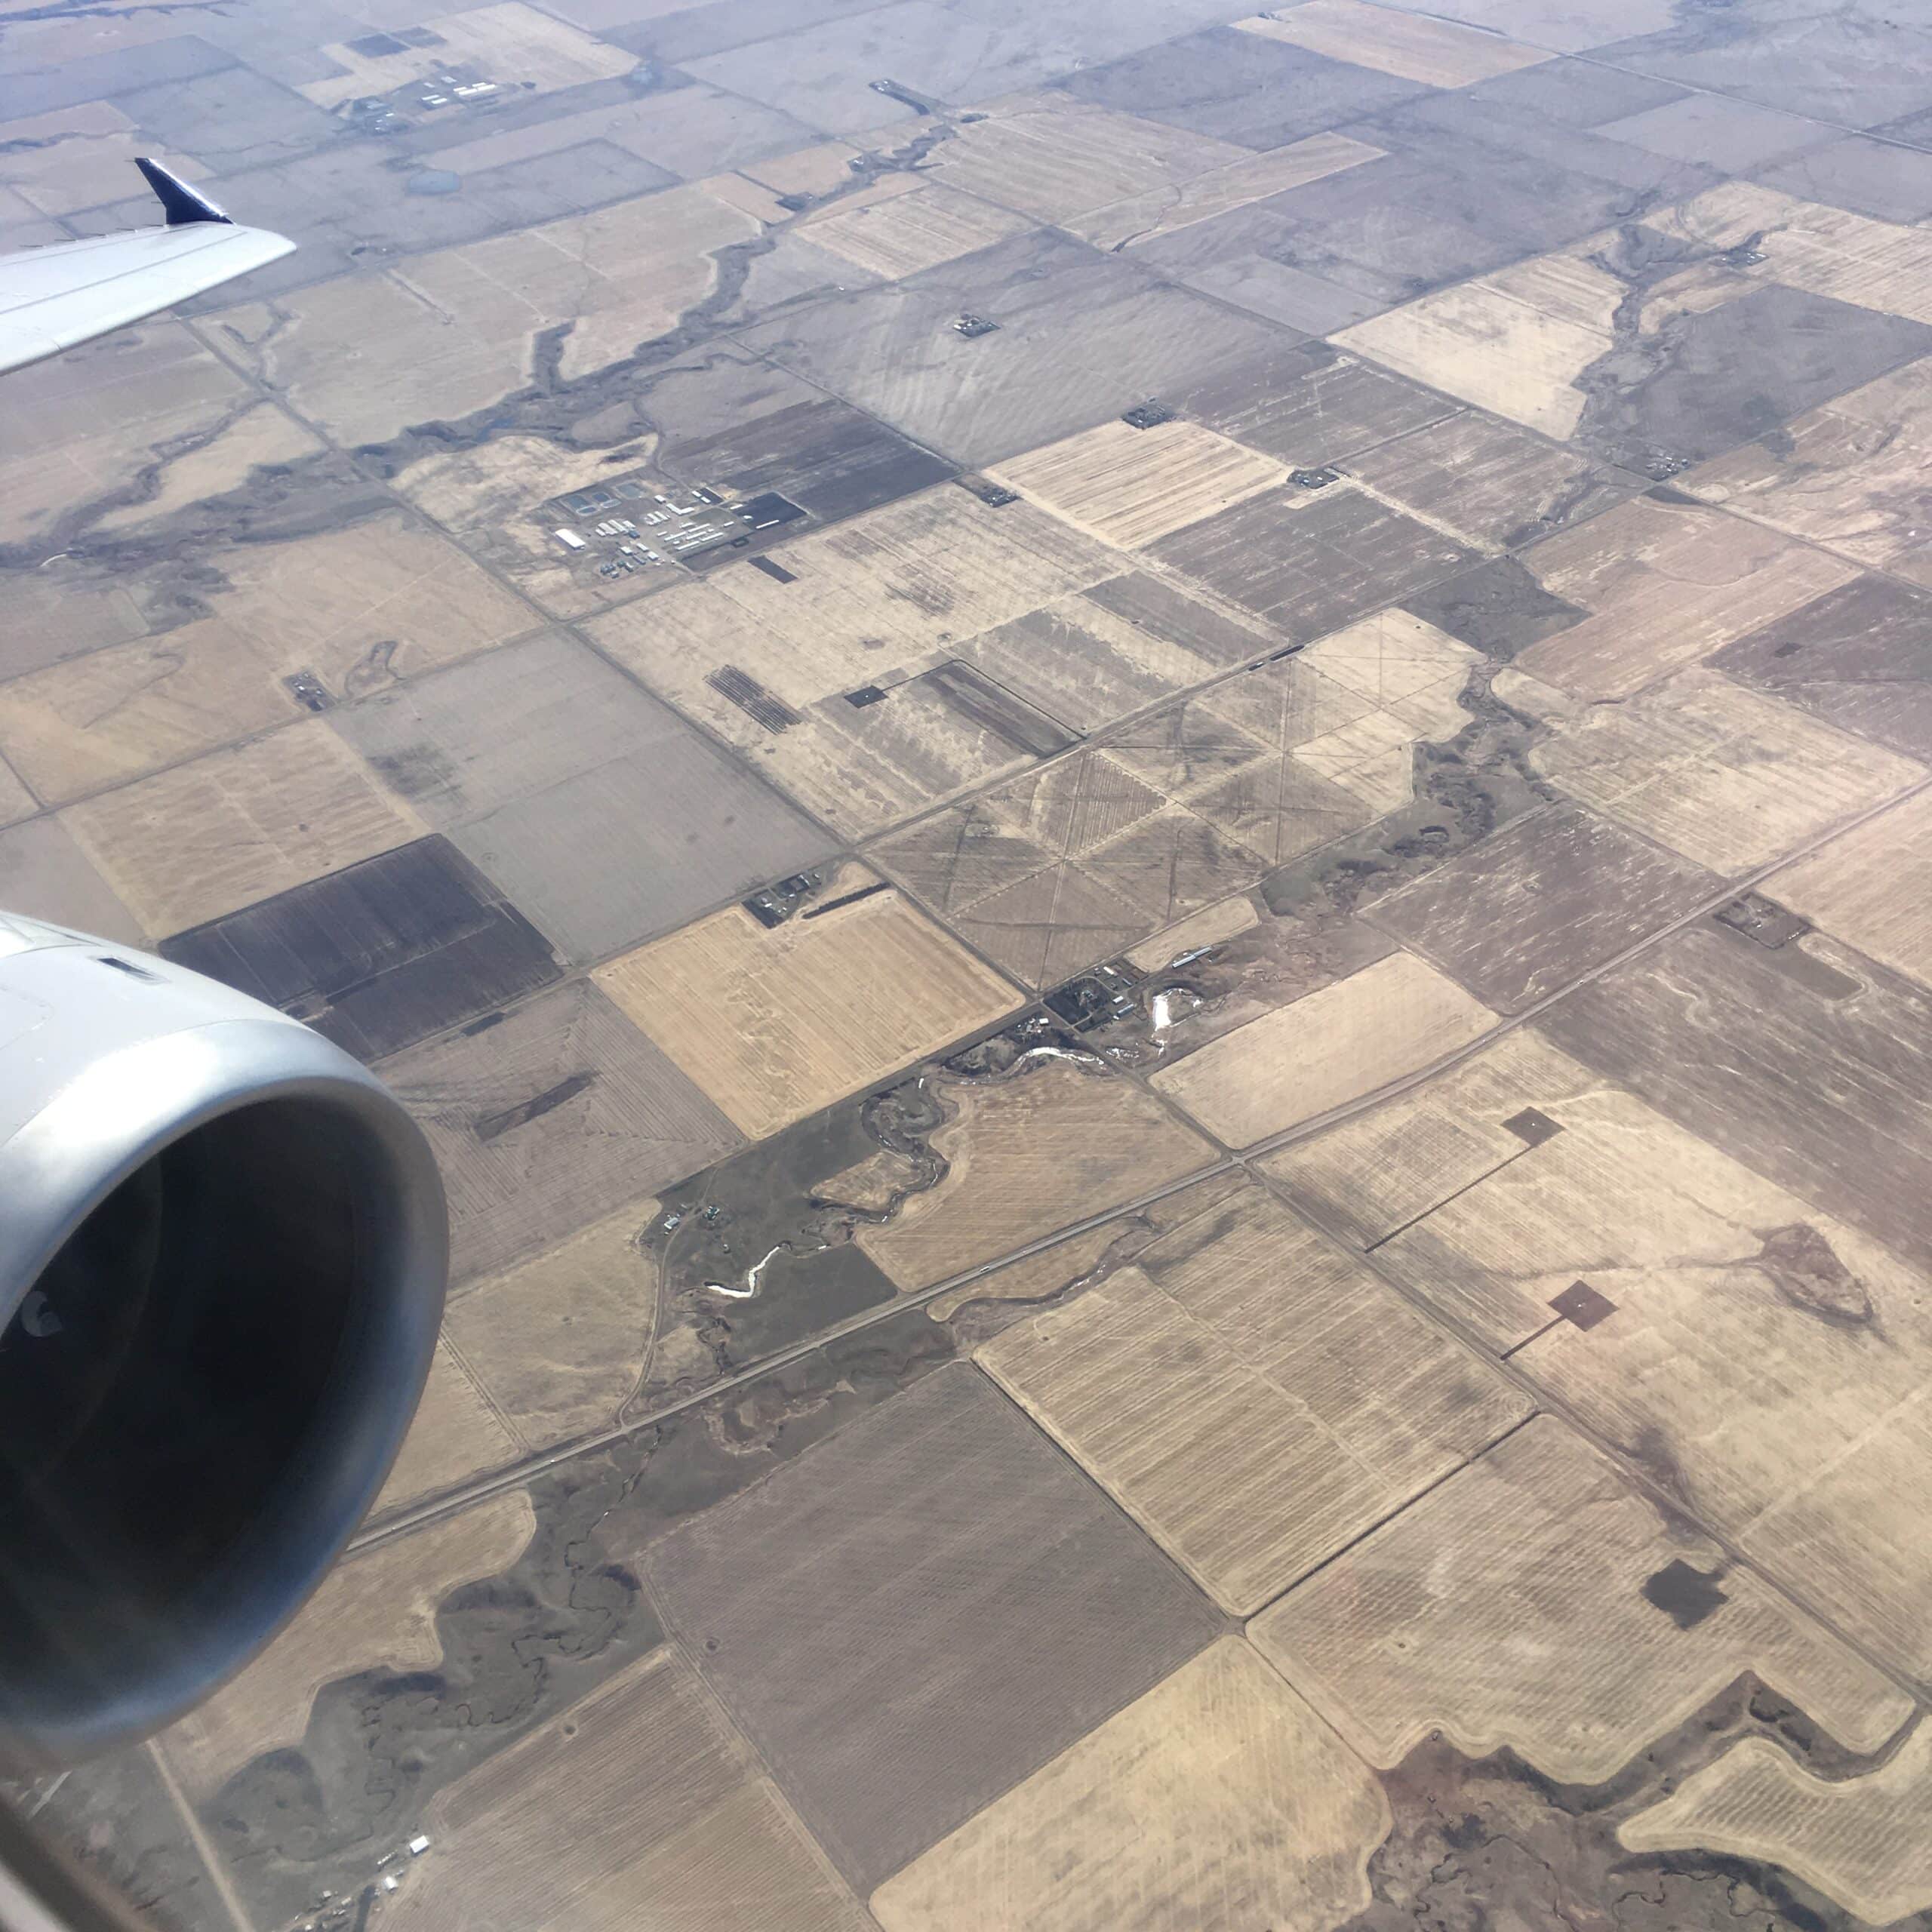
{"x": 1532, "y": 1128}
{"x": 1580, "y": 1305}
{"x": 1685, "y": 1595}
{"x": 380, "y": 954}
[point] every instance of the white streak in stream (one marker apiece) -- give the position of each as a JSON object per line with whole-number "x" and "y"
{"x": 751, "y": 1280}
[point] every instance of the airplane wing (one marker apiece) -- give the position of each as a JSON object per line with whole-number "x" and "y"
{"x": 69, "y": 292}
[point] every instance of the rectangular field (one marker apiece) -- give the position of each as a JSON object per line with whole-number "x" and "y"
{"x": 1508, "y": 1607}
{"x": 1263, "y": 1403}
{"x": 918, "y": 1612}
{"x": 776, "y": 1022}
{"x": 1267, "y": 1820}
{"x": 1324, "y": 1049}
{"x": 190, "y": 844}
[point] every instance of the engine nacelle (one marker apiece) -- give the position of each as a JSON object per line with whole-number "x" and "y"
{"x": 222, "y": 1252}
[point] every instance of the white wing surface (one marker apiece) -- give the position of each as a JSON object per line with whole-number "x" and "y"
{"x": 69, "y": 292}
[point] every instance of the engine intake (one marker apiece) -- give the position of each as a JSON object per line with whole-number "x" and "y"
{"x": 222, "y": 1252}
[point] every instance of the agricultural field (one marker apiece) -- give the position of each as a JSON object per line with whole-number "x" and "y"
{"x": 1141, "y": 796}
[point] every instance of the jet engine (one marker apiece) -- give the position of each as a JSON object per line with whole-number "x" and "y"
{"x": 222, "y": 1252}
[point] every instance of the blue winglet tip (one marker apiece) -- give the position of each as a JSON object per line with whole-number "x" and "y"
{"x": 179, "y": 202}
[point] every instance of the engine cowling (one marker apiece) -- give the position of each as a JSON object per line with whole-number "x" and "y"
{"x": 223, "y": 1246}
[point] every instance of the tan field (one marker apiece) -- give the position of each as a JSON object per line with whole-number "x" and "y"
{"x": 78, "y": 157}
{"x": 561, "y": 1340}
{"x": 458, "y": 1433}
{"x": 1325, "y": 1049}
{"x": 899, "y": 234}
{"x": 1055, "y": 160}
{"x": 1514, "y": 342}
{"x": 1217, "y": 923}
{"x": 639, "y": 1799}
{"x": 861, "y": 768}
{"x": 189, "y": 843}
{"x": 361, "y": 608}
{"x": 1029, "y": 1154}
{"x": 1348, "y": 710}
{"x": 814, "y": 171}
{"x": 1263, "y": 1405}
{"x": 1130, "y": 487}
{"x": 447, "y": 332}
{"x": 547, "y": 1121}
{"x": 77, "y": 728}
{"x": 1081, "y": 659}
{"x": 1872, "y": 887}
{"x": 1161, "y": 210}
{"x": 504, "y": 41}
{"x": 1717, "y": 773}
{"x": 1865, "y": 1842}
{"x": 1851, "y": 481}
{"x": 1266, "y": 1819}
{"x": 1392, "y": 656}
{"x": 1080, "y": 1260}
{"x": 1441, "y": 54}
{"x": 1382, "y": 1168}
{"x": 1850, "y": 1533}
{"x": 958, "y": 715}
{"x": 260, "y": 434}
{"x": 1506, "y": 1608}
{"x": 933, "y": 570}
{"x": 1830, "y": 251}
{"x": 92, "y": 419}
{"x": 1665, "y": 584}
{"x": 63, "y": 610}
{"x": 354, "y": 609}
{"x": 377, "y": 1611}
{"x": 774, "y": 1023}
{"x": 881, "y": 594}
{"x": 1372, "y": 757}
{"x": 1739, "y": 1343}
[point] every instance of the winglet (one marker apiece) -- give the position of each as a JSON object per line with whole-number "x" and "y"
{"x": 179, "y": 202}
